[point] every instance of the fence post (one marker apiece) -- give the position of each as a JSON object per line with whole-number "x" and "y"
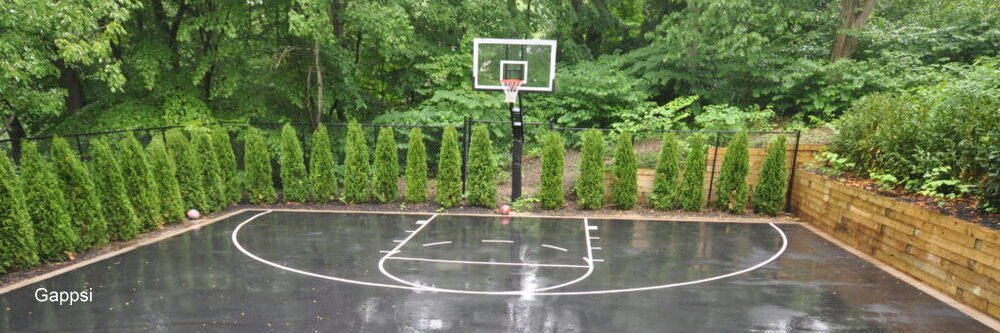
{"x": 791, "y": 178}
{"x": 466, "y": 132}
{"x": 711, "y": 176}
{"x": 79, "y": 147}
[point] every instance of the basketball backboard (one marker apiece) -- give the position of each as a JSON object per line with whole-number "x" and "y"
{"x": 531, "y": 60}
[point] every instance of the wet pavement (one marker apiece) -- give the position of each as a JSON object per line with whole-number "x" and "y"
{"x": 328, "y": 272}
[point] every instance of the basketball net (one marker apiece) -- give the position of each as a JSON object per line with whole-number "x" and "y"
{"x": 510, "y": 87}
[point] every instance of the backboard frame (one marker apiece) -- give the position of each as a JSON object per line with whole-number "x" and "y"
{"x": 496, "y": 86}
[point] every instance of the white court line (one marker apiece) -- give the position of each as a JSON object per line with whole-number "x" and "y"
{"x": 435, "y": 243}
{"x": 497, "y": 241}
{"x": 598, "y": 260}
{"x": 591, "y": 227}
{"x": 595, "y": 238}
{"x": 383, "y": 251}
{"x": 597, "y": 248}
{"x": 397, "y": 241}
{"x": 410, "y": 231}
{"x": 494, "y": 263}
{"x": 554, "y": 247}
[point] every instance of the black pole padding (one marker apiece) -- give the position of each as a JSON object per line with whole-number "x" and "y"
{"x": 517, "y": 127}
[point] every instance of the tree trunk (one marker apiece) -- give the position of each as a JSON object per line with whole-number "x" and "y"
{"x": 855, "y": 14}
{"x": 69, "y": 79}
{"x": 318, "y": 114}
{"x": 16, "y": 132}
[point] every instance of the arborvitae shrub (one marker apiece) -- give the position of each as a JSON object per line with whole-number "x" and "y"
{"x": 664, "y": 194}
{"x": 190, "y": 177}
{"x": 227, "y": 164}
{"x": 212, "y": 180}
{"x": 123, "y": 223}
{"x": 590, "y": 185}
{"x": 165, "y": 173}
{"x": 692, "y": 193}
{"x": 356, "y": 165}
{"x": 448, "y": 185}
{"x": 322, "y": 173}
{"x": 550, "y": 192}
{"x": 82, "y": 196}
{"x": 142, "y": 187}
{"x": 623, "y": 176}
{"x": 46, "y": 205}
{"x": 482, "y": 174}
{"x": 416, "y": 168}
{"x": 294, "y": 180}
{"x": 769, "y": 195}
{"x": 17, "y": 237}
{"x": 385, "y": 171}
{"x": 257, "y": 162}
{"x": 733, "y": 190}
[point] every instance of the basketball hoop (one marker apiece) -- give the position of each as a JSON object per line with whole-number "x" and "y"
{"x": 510, "y": 87}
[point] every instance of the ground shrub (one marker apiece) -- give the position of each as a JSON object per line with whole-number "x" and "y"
{"x": 46, "y": 204}
{"x": 123, "y": 222}
{"x": 356, "y": 182}
{"x": 550, "y": 192}
{"x": 257, "y": 165}
{"x": 139, "y": 181}
{"x": 769, "y": 194}
{"x": 692, "y": 191}
{"x": 227, "y": 164}
{"x": 733, "y": 191}
{"x": 322, "y": 173}
{"x": 385, "y": 170}
{"x": 165, "y": 173}
{"x": 212, "y": 180}
{"x": 82, "y": 196}
{"x": 664, "y": 193}
{"x": 624, "y": 183}
{"x": 590, "y": 185}
{"x": 482, "y": 173}
{"x": 17, "y": 237}
{"x": 189, "y": 173}
{"x": 449, "y": 176}
{"x": 294, "y": 180}
{"x": 416, "y": 168}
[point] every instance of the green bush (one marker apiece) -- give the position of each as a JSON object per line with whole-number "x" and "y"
{"x": 189, "y": 173}
{"x": 227, "y": 164}
{"x": 46, "y": 204}
{"x": 257, "y": 165}
{"x": 590, "y": 185}
{"x": 550, "y": 192}
{"x": 17, "y": 238}
{"x": 294, "y": 180}
{"x": 769, "y": 194}
{"x": 81, "y": 195}
{"x": 989, "y": 195}
{"x": 212, "y": 181}
{"x": 322, "y": 173}
{"x": 356, "y": 165}
{"x": 416, "y": 168}
{"x": 165, "y": 173}
{"x": 733, "y": 191}
{"x": 692, "y": 192}
{"x": 482, "y": 175}
{"x": 139, "y": 182}
{"x": 664, "y": 194}
{"x": 448, "y": 185}
{"x": 624, "y": 184}
{"x": 123, "y": 223}
{"x": 385, "y": 171}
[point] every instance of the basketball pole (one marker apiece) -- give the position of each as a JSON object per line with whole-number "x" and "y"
{"x": 517, "y": 128}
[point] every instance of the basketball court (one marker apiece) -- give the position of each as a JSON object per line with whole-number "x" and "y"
{"x": 303, "y": 271}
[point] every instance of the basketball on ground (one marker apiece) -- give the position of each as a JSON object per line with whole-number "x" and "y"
{"x": 504, "y": 210}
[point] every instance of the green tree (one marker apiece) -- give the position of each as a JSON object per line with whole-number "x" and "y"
{"x": 53, "y": 227}
{"x": 692, "y": 192}
{"x": 139, "y": 181}
{"x": 294, "y": 180}
{"x": 769, "y": 195}
{"x": 590, "y": 185}
{"x": 212, "y": 181}
{"x": 733, "y": 190}
{"x": 190, "y": 176}
{"x": 664, "y": 195}
{"x": 17, "y": 238}
{"x": 385, "y": 171}
{"x": 624, "y": 184}
{"x": 482, "y": 174}
{"x": 227, "y": 164}
{"x": 82, "y": 195}
{"x": 550, "y": 192}
{"x": 165, "y": 173}
{"x": 123, "y": 223}
{"x": 260, "y": 185}
{"x": 356, "y": 165}
{"x": 416, "y": 167}
{"x": 448, "y": 184}
{"x": 322, "y": 173}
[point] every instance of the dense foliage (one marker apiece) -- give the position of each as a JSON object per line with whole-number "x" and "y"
{"x": 482, "y": 174}
{"x": 46, "y": 205}
{"x": 165, "y": 173}
{"x": 81, "y": 194}
{"x": 322, "y": 168}
{"x": 214, "y": 184}
{"x": 17, "y": 238}
{"x": 692, "y": 191}
{"x": 123, "y": 222}
{"x": 142, "y": 187}
{"x": 356, "y": 178}
{"x": 416, "y": 167}
{"x": 448, "y": 184}
{"x": 550, "y": 190}
{"x": 257, "y": 163}
{"x": 733, "y": 191}
{"x": 590, "y": 186}
{"x": 769, "y": 194}
{"x": 227, "y": 164}
{"x": 294, "y": 180}
{"x": 664, "y": 193}
{"x": 385, "y": 170}
{"x": 624, "y": 182}
{"x": 189, "y": 170}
